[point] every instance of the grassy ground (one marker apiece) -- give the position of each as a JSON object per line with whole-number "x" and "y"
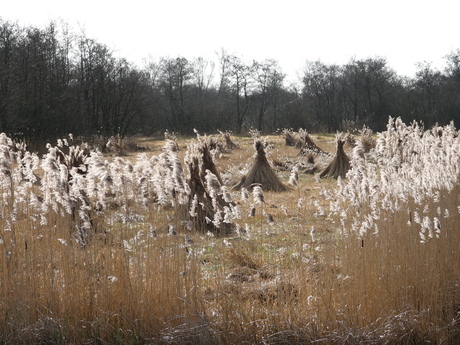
{"x": 292, "y": 279}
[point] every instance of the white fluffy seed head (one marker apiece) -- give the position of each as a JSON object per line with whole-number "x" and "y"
{"x": 258, "y": 194}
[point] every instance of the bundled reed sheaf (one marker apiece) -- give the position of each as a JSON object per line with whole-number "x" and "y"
{"x": 229, "y": 144}
{"x": 210, "y": 206}
{"x": 289, "y": 137}
{"x": 307, "y": 145}
{"x": 261, "y": 172}
{"x": 204, "y": 148}
{"x": 172, "y": 138}
{"x": 341, "y": 162}
{"x": 350, "y": 139}
{"x": 115, "y": 144}
{"x": 368, "y": 142}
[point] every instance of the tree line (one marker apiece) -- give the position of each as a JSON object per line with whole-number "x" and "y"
{"x": 54, "y": 82}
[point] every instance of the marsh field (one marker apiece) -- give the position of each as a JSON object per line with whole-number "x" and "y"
{"x": 148, "y": 242}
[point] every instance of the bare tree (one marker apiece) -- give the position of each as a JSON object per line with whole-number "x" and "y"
{"x": 451, "y": 103}
{"x": 427, "y": 88}
{"x": 322, "y": 93}
{"x": 203, "y": 97}
{"x": 268, "y": 84}
{"x": 237, "y": 80}
{"x": 175, "y": 77}
{"x": 366, "y": 88}
{"x": 9, "y": 36}
{"x": 203, "y": 73}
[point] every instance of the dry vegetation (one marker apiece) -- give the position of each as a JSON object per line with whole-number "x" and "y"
{"x": 157, "y": 248}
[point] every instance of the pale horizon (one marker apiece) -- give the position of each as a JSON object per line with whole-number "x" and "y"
{"x": 293, "y": 32}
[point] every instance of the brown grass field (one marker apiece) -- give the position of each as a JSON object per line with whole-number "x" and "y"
{"x": 329, "y": 261}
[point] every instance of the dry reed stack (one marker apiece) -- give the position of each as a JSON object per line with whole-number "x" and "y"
{"x": 367, "y": 141}
{"x": 115, "y": 144}
{"x": 229, "y": 144}
{"x": 340, "y": 164}
{"x": 192, "y": 201}
{"x": 200, "y": 204}
{"x": 197, "y": 200}
{"x": 350, "y": 139}
{"x": 210, "y": 207}
{"x": 289, "y": 137}
{"x": 307, "y": 145}
{"x": 204, "y": 148}
{"x": 261, "y": 172}
{"x": 172, "y": 137}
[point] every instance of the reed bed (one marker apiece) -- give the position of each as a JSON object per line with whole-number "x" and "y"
{"x": 156, "y": 247}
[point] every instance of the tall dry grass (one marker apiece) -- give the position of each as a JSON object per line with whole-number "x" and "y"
{"x": 397, "y": 216}
{"x": 109, "y": 251}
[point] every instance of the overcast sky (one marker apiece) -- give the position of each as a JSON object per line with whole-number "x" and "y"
{"x": 289, "y": 31}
